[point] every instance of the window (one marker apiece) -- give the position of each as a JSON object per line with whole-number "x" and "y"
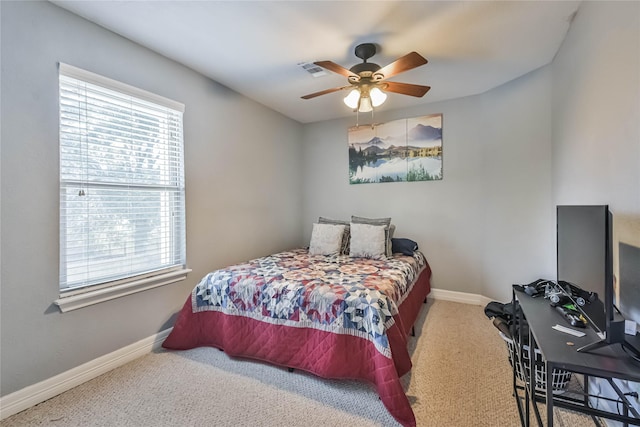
{"x": 122, "y": 210}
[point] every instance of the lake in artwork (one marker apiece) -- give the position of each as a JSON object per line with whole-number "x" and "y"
{"x": 398, "y": 151}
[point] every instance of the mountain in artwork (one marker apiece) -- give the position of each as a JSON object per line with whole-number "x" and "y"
{"x": 421, "y": 132}
{"x": 373, "y": 142}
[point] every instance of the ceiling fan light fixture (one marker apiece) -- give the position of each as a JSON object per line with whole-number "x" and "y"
{"x": 365, "y": 105}
{"x": 377, "y": 97}
{"x": 352, "y": 99}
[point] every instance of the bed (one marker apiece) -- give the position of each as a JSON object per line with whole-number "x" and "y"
{"x": 333, "y": 315}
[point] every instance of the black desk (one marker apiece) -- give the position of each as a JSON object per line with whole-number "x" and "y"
{"x": 606, "y": 362}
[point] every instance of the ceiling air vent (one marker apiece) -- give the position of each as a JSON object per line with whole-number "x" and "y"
{"x": 312, "y": 69}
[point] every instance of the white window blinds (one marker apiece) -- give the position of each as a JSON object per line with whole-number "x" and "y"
{"x": 122, "y": 211}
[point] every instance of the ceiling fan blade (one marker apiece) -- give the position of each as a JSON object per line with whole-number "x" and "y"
{"x": 332, "y": 66}
{"x": 405, "y": 63}
{"x": 324, "y": 92}
{"x": 406, "y": 89}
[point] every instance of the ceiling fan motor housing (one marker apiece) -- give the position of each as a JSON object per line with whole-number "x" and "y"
{"x": 365, "y": 51}
{"x": 368, "y": 67}
{"x": 365, "y": 69}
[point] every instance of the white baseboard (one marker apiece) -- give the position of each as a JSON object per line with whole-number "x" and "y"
{"x": 462, "y": 297}
{"x": 37, "y": 393}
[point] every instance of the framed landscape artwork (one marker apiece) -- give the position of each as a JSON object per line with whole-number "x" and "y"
{"x": 398, "y": 151}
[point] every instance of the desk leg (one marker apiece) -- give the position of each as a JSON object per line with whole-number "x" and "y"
{"x": 549, "y": 371}
{"x": 518, "y": 348}
{"x": 533, "y": 377}
{"x": 585, "y": 388}
{"x": 527, "y": 394}
{"x": 532, "y": 373}
{"x": 518, "y": 364}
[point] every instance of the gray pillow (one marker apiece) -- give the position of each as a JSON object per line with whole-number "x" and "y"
{"x": 345, "y": 237}
{"x": 368, "y": 241}
{"x": 371, "y": 221}
{"x": 379, "y": 221}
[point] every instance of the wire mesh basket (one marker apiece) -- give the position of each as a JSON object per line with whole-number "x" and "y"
{"x": 560, "y": 377}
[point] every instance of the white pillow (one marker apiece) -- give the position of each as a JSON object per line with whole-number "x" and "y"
{"x": 368, "y": 241}
{"x": 378, "y": 221}
{"x": 326, "y": 239}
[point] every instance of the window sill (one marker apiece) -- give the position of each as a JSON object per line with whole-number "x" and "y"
{"x": 91, "y": 297}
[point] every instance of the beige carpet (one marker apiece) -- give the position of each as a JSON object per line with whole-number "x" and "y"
{"x": 460, "y": 377}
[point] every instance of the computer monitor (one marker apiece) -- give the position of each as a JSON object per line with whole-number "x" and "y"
{"x": 585, "y": 260}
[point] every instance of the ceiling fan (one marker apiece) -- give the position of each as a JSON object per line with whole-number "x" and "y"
{"x": 368, "y": 81}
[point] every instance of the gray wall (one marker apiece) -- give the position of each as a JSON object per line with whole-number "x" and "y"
{"x": 237, "y": 153}
{"x": 596, "y": 126}
{"x": 489, "y": 222}
{"x": 596, "y": 114}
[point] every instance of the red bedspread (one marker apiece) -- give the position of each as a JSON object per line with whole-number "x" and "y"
{"x": 313, "y": 347}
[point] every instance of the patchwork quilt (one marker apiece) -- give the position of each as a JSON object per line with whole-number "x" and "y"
{"x": 333, "y": 316}
{"x": 333, "y": 293}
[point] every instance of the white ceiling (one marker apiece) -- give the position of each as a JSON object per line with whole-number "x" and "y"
{"x": 253, "y": 47}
